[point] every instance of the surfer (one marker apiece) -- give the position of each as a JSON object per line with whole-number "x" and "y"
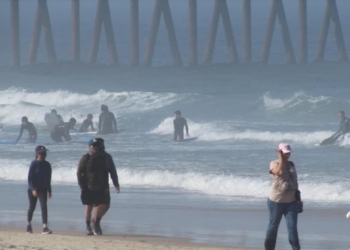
{"x": 87, "y": 123}
{"x": 54, "y": 111}
{"x": 26, "y": 125}
{"x": 344, "y": 128}
{"x": 62, "y": 130}
{"x": 179, "y": 124}
{"x": 107, "y": 122}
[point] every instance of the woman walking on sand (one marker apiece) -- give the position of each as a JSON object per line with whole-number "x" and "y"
{"x": 39, "y": 182}
{"x": 284, "y": 199}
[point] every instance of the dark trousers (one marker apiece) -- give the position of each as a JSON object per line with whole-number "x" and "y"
{"x": 42, "y": 195}
{"x": 290, "y": 212}
{"x": 56, "y": 137}
{"x": 32, "y": 138}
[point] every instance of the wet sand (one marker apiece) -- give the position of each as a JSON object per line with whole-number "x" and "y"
{"x": 15, "y": 238}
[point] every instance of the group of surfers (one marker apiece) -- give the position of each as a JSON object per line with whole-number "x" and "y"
{"x": 107, "y": 125}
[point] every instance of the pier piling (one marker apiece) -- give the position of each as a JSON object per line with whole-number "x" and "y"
{"x": 16, "y": 56}
{"x": 76, "y": 30}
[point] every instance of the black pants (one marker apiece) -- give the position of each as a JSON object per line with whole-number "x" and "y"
{"x": 178, "y": 135}
{"x": 32, "y": 138}
{"x": 42, "y": 195}
{"x": 56, "y": 137}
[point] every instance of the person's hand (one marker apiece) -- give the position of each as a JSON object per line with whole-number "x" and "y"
{"x": 279, "y": 154}
{"x": 34, "y": 193}
{"x": 117, "y": 188}
{"x": 49, "y": 195}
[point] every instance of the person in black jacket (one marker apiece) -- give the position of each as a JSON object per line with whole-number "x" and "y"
{"x": 111, "y": 170}
{"x": 92, "y": 175}
{"x": 39, "y": 186}
{"x": 62, "y": 130}
{"x": 107, "y": 123}
{"x": 26, "y": 125}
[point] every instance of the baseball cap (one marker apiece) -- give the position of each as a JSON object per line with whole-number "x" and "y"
{"x": 40, "y": 149}
{"x": 285, "y": 148}
{"x": 94, "y": 141}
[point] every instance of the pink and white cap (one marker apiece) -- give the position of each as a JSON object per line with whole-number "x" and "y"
{"x": 285, "y": 148}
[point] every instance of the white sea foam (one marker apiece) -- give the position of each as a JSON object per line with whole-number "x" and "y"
{"x": 16, "y": 103}
{"x": 222, "y": 131}
{"x": 219, "y": 185}
{"x": 298, "y": 99}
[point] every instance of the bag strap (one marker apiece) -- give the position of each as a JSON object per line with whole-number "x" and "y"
{"x": 290, "y": 175}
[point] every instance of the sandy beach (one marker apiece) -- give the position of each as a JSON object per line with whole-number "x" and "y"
{"x": 15, "y": 238}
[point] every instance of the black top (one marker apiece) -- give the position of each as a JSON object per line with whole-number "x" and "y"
{"x": 85, "y": 126}
{"x": 107, "y": 123}
{"x": 29, "y": 127}
{"x": 344, "y": 126}
{"x": 63, "y": 130}
{"x": 179, "y": 124}
{"x": 92, "y": 172}
{"x": 39, "y": 176}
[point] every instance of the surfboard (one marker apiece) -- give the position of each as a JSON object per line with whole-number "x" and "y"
{"x": 3, "y": 142}
{"x": 51, "y": 121}
{"x": 187, "y": 139}
{"x": 84, "y": 133}
{"x": 184, "y": 140}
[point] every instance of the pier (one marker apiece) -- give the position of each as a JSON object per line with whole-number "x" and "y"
{"x": 162, "y": 12}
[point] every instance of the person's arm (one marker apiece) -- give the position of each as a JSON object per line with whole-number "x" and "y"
{"x": 20, "y": 133}
{"x": 82, "y": 128}
{"x": 31, "y": 177}
{"x": 186, "y": 126}
{"x": 66, "y": 133}
{"x": 99, "y": 123}
{"x": 278, "y": 168}
{"x": 114, "y": 123}
{"x": 92, "y": 126}
{"x": 49, "y": 181}
{"x": 80, "y": 172}
{"x": 113, "y": 172}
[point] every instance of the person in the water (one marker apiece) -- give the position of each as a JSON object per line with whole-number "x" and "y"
{"x": 26, "y": 125}
{"x": 179, "y": 124}
{"x": 54, "y": 111}
{"x": 344, "y": 128}
{"x": 87, "y": 123}
{"x": 107, "y": 122}
{"x": 62, "y": 130}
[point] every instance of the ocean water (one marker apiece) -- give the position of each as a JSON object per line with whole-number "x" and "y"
{"x": 215, "y": 187}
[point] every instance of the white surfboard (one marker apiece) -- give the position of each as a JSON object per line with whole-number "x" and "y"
{"x": 51, "y": 121}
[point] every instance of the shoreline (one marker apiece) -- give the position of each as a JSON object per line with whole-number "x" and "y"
{"x": 16, "y": 238}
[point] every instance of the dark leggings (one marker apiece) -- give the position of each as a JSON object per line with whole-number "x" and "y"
{"x": 42, "y": 195}
{"x": 32, "y": 138}
{"x": 56, "y": 137}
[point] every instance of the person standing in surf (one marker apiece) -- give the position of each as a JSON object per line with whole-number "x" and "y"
{"x": 179, "y": 124}
{"x": 39, "y": 187}
{"x": 107, "y": 123}
{"x": 87, "y": 123}
{"x": 284, "y": 199}
{"x": 344, "y": 128}
{"x": 26, "y": 125}
{"x": 92, "y": 175}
